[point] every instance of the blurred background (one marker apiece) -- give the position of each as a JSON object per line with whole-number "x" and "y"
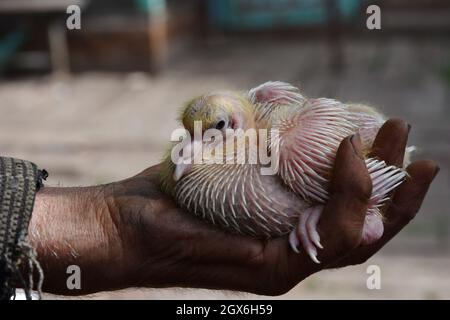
{"x": 98, "y": 104}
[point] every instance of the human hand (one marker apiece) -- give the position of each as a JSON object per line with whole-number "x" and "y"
{"x": 174, "y": 248}
{"x": 133, "y": 234}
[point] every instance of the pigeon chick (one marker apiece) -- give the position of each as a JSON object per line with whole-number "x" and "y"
{"x": 235, "y": 194}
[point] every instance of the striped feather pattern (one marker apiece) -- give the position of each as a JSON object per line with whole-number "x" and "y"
{"x": 239, "y": 198}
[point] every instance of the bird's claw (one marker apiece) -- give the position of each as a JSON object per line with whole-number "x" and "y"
{"x": 306, "y": 233}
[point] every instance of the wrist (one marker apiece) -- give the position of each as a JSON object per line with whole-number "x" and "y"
{"x": 75, "y": 226}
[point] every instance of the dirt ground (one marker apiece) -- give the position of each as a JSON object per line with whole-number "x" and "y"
{"x": 95, "y": 128}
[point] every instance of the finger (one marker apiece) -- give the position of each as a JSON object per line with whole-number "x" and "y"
{"x": 351, "y": 186}
{"x": 343, "y": 216}
{"x": 404, "y": 207}
{"x": 340, "y": 225}
{"x": 390, "y": 143}
{"x": 410, "y": 195}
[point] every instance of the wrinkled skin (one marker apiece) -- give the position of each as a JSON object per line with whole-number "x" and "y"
{"x": 152, "y": 243}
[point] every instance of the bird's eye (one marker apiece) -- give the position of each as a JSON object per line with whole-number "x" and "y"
{"x": 220, "y": 125}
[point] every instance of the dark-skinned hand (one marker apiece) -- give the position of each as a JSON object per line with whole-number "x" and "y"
{"x": 130, "y": 234}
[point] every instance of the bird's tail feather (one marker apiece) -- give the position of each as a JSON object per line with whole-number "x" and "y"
{"x": 385, "y": 179}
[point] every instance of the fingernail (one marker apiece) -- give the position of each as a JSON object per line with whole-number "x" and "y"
{"x": 356, "y": 143}
{"x": 436, "y": 171}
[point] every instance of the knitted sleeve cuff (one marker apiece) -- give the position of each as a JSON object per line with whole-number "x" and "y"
{"x": 19, "y": 182}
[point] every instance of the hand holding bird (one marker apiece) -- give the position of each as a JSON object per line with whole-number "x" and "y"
{"x": 238, "y": 197}
{"x": 165, "y": 246}
{"x": 147, "y": 240}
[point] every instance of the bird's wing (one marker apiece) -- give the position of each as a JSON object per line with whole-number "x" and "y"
{"x": 368, "y": 120}
{"x": 307, "y": 144}
{"x": 271, "y": 95}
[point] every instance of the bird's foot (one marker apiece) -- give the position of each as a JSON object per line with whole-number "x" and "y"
{"x": 373, "y": 228}
{"x": 306, "y": 232}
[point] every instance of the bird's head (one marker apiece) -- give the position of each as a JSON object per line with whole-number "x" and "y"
{"x": 219, "y": 111}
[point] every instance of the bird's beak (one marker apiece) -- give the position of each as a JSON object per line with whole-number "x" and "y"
{"x": 192, "y": 153}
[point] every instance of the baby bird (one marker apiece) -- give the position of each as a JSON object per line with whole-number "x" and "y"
{"x": 236, "y": 194}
